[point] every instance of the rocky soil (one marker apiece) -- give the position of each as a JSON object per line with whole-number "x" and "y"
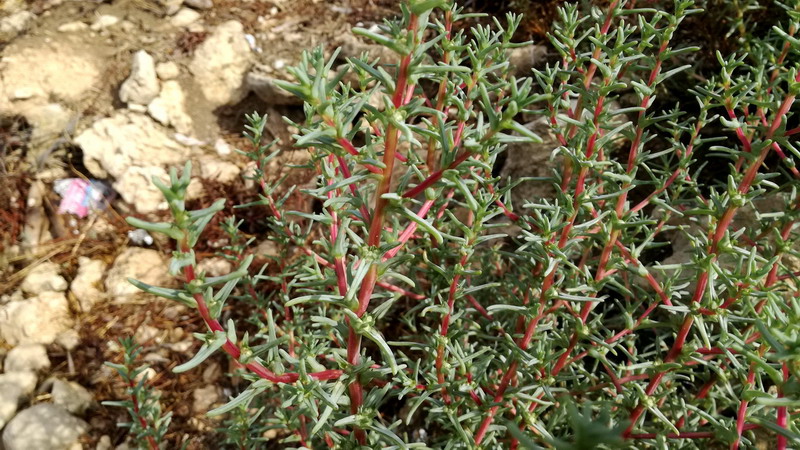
{"x": 120, "y": 92}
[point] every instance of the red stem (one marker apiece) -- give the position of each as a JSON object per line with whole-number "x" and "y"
{"x": 702, "y": 282}
{"x": 151, "y": 441}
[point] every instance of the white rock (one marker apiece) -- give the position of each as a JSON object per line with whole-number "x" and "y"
{"x": 27, "y": 358}
{"x": 86, "y": 286}
{"x": 104, "y": 21}
{"x": 44, "y": 278}
{"x": 26, "y": 381}
{"x": 147, "y": 374}
{"x": 158, "y": 111}
{"x": 221, "y": 171}
{"x": 131, "y": 147}
{"x": 43, "y": 427}
{"x": 167, "y": 70}
{"x": 196, "y": 27}
{"x": 135, "y": 107}
{"x": 104, "y": 443}
{"x": 199, "y": 4}
{"x": 215, "y": 267}
{"x": 136, "y": 187}
{"x": 37, "y": 320}
{"x": 114, "y": 144}
{"x": 145, "y": 265}
{"x": 37, "y": 224}
{"x": 72, "y": 396}
{"x": 10, "y": 396}
{"x": 267, "y": 248}
{"x": 251, "y": 41}
{"x": 221, "y": 62}
{"x": 171, "y": 6}
{"x": 22, "y": 94}
{"x": 64, "y": 71}
{"x": 68, "y": 340}
{"x": 146, "y": 333}
{"x": 185, "y": 17}
{"x": 10, "y": 6}
{"x": 169, "y": 108}
{"x": 203, "y": 398}
{"x": 222, "y": 148}
{"x": 72, "y": 27}
{"x": 195, "y": 189}
{"x": 141, "y": 87}
{"x": 16, "y": 23}
{"x": 188, "y": 140}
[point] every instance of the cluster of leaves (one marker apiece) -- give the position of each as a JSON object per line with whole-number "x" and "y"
{"x": 148, "y": 424}
{"x": 421, "y": 308}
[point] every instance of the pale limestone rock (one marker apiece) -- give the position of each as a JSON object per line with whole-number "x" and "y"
{"x": 72, "y": 27}
{"x": 199, "y": 4}
{"x": 104, "y": 21}
{"x": 169, "y": 108}
{"x": 171, "y": 6}
{"x": 26, "y": 381}
{"x": 145, "y": 265}
{"x": 64, "y": 72}
{"x": 215, "y": 267}
{"x": 262, "y": 83}
{"x": 222, "y": 148}
{"x": 88, "y": 281}
{"x": 204, "y": 398}
{"x": 49, "y": 120}
{"x": 72, "y": 396}
{"x": 136, "y": 187}
{"x": 221, "y": 171}
{"x": 221, "y": 62}
{"x": 68, "y": 340}
{"x": 27, "y": 358}
{"x": 104, "y": 443}
{"x": 114, "y": 144}
{"x": 43, "y": 427}
{"x": 131, "y": 148}
{"x": 11, "y": 26}
{"x": 141, "y": 87}
{"x": 10, "y": 396}
{"x": 167, "y": 70}
{"x": 44, "y": 277}
{"x": 37, "y": 224}
{"x": 524, "y": 59}
{"x": 37, "y": 320}
{"x": 184, "y": 17}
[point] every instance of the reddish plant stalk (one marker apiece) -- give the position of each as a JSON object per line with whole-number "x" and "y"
{"x": 430, "y": 158}
{"x": 722, "y": 227}
{"x": 498, "y": 397}
{"x": 633, "y": 153}
{"x": 451, "y": 299}
{"x": 783, "y": 413}
{"x": 376, "y": 227}
{"x": 233, "y": 350}
{"x": 151, "y": 441}
{"x": 742, "y": 412}
{"x": 689, "y": 435}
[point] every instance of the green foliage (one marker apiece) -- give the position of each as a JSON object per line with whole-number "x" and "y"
{"x": 148, "y": 425}
{"x": 421, "y": 308}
